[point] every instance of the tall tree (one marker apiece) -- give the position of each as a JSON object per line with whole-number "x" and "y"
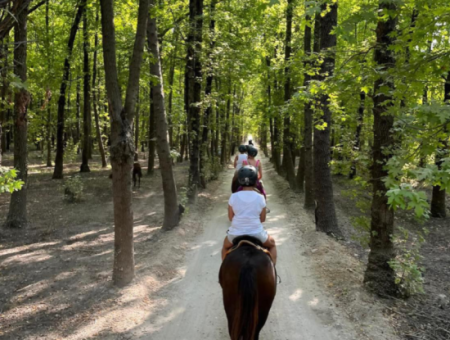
{"x": 308, "y": 120}
{"x": 86, "y": 97}
{"x": 208, "y": 92}
{"x": 379, "y": 275}
{"x": 151, "y": 134}
{"x": 194, "y": 89}
{"x": 95, "y": 95}
{"x": 4, "y": 73}
{"x": 172, "y": 211}
{"x": 326, "y": 220}
{"x": 122, "y": 146}
{"x": 59, "y": 160}
{"x": 438, "y": 208}
{"x": 287, "y": 143}
{"x": 17, "y": 216}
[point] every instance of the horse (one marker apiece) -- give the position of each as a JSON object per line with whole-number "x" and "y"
{"x": 248, "y": 280}
{"x": 137, "y": 174}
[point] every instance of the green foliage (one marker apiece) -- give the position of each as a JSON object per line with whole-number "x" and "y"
{"x": 405, "y": 197}
{"x": 73, "y": 189}
{"x": 407, "y": 263}
{"x": 71, "y": 153}
{"x": 8, "y": 182}
{"x": 361, "y": 223}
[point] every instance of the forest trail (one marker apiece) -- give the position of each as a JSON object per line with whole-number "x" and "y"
{"x": 194, "y": 309}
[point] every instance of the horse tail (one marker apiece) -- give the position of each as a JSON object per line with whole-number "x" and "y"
{"x": 246, "y": 316}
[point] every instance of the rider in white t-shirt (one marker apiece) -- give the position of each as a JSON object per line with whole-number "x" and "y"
{"x": 247, "y": 212}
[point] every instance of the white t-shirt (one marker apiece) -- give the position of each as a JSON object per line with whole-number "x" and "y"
{"x": 247, "y": 207}
{"x": 242, "y": 157}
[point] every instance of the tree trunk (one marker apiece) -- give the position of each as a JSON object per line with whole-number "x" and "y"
{"x": 287, "y": 138}
{"x": 357, "y": 143}
{"x": 136, "y": 131}
{"x": 438, "y": 208}
{"x": 379, "y": 275}
{"x": 122, "y": 148}
{"x": 3, "y": 119}
{"x": 226, "y": 132}
{"x": 87, "y": 98}
{"x": 301, "y": 170}
{"x": 171, "y": 81}
{"x": 17, "y": 216}
{"x": 326, "y": 220}
{"x": 95, "y": 88}
{"x": 172, "y": 212}
{"x": 308, "y": 116}
{"x": 151, "y": 135}
{"x": 59, "y": 160}
{"x": 76, "y": 138}
{"x": 208, "y": 91}
{"x": 194, "y": 88}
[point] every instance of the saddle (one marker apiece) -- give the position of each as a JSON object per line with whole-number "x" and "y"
{"x": 264, "y": 250}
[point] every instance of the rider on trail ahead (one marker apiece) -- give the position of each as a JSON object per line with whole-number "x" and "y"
{"x": 247, "y": 212}
{"x": 238, "y": 160}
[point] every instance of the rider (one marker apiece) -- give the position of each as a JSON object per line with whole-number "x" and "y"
{"x": 252, "y": 153}
{"x": 250, "y": 142}
{"x": 238, "y": 160}
{"x": 247, "y": 212}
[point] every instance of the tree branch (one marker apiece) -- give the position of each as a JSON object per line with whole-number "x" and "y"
{"x": 32, "y": 9}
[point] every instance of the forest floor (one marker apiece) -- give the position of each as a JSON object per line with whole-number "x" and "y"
{"x": 55, "y": 276}
{"x": 423, "y": 316}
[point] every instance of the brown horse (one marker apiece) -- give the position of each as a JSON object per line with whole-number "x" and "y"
{"x": 248, "y": 280}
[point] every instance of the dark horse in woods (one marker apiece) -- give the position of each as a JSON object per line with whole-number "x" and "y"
{"x": 248, "y": 280}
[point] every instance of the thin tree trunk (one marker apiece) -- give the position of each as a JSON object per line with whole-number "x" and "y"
{"x": 171, "y": 81}
{"x": 87, "y": 98}
{"x": 438, "y": 208}
{"x": 122, "y": 146}
{"x": 326, "y": 220}
{"x": 17, "y": 216}
{"x": 95, "y": 88}
{"x": 151, "y": 135}
{"x": 77, "y": 137}
{"x": 208, "y": 91}
{"x": 308, "y": 116}
{"x": 379, "y": 275}
{"x": 357, "y": 143}
{"x": 226, "y": 133}
{"x": 172, "y": 212}
{"x": 59, "y": 160}
{"x": 301, "y": 170}
{"x": 3, "y": 113}
{"x": 287, "y": 138}
{"x": 136, "y": 131}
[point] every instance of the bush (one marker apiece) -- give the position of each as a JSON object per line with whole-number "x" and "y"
{"x": 73, "y": 189}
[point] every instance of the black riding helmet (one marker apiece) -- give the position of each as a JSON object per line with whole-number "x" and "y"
{"x": 252, "y": 151}
{"x": 242, "y": 148}
{"x": 247, "y": 176}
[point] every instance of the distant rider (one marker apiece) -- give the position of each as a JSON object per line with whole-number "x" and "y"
{"x": 247, "y": 212}
{"x": 238, "y": 160}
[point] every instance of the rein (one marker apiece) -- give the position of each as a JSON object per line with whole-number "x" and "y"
{"x": 251, "y": 244}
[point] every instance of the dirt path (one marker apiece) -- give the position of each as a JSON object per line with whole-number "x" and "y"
{"x": 194, "y": 310}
